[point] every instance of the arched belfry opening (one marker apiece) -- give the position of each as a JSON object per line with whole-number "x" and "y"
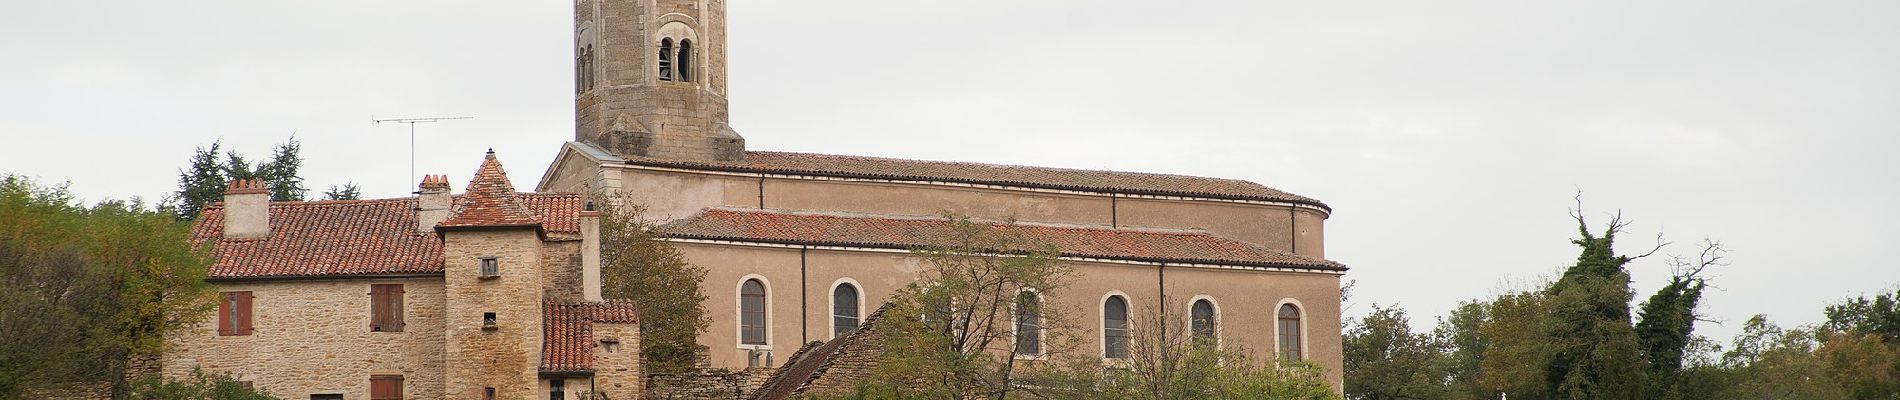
{"x": 656, "y": 88}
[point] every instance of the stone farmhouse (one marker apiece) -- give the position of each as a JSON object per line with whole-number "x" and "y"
{"x": 494, "y": 293}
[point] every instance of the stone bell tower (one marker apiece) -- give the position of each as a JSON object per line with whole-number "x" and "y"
{"x": 650, "y": 79}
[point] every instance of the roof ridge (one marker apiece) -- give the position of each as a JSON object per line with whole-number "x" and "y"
{"x": 991, "y": 221}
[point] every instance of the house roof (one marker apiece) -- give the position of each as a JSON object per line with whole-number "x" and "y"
{"x": 567, "y": 332}
{"x": 354, "y": 238}
{"x": 490, "y": 201}
{"x": 812, "y": 361}
{"x": 1137, "y": 183}
{"x": 860, "y": 230}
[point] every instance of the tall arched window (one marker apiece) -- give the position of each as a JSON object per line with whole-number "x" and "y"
{"x": 1201, "y": 321}
{"x": 1115, "y": 327}
{"x": 1289, "y": 332}
{"x": 752, "y": 312}
{"x": 1028, "y": 324}
{"x": 686, "y": 60}
{"x": 666, "y": 59}
{"x": 844, "y": 309}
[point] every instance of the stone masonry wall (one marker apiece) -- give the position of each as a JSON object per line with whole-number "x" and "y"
{"x": 562, "y": 271}
{"x": 313, "y": 337}
{"x": 707, "y": 384}
{"x": 507, "y": 356}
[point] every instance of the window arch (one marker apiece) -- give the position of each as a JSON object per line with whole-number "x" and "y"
{"x": 1028, "y": 323}
{"x": 685, "y": 60}
{"x": 1290, "y": 332}
{"x": 1115, "y": 327}
{"x": 752, "y": 313}
{"x": 846, "y": 309}
{"x": 666, "y": 59}
{"x": 1202, "y": 317}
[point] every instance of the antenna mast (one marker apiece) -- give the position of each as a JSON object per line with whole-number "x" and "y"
{"x": 412, "y": 136}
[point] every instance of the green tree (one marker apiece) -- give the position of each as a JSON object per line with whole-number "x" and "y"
{"x": 1464, "y": 344}
{"x": 637, "y": 264}
{"x": 346, "y": 191}
{"x": 1385, "y": 361}
{"x": 1879, "y": 315}
{"x": 1668, "y": 320}
{"x": 206, "y": 175}
{"x": 200, "y": 183}
{"x": 1595, "y": 352}
{"x": 198, "y": 386}
{"x": 85, "y": 289}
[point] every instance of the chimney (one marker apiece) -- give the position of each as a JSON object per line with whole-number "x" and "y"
{"x": 590, "y": 253}
{"x": 432, "y": 204}
{"x": 246, "y": 209}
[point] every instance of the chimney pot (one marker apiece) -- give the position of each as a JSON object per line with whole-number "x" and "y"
{"x": 246, "y": 210}
{"x": 432, "y": 202}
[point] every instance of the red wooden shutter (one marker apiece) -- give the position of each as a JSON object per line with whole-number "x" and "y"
{"x": 385, "y": 387}
{"x": 376, "y": 301}
{"x": 395, "y": 308}
{"x": 244, "y": 313}
{"x": 224, "y": 314}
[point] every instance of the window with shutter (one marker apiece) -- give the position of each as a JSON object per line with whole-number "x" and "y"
{"x": 385, "y": 304}
{"x": 385, "y": 387}
{"x": 244, "y": 313}
{"x": 234, "y": 314}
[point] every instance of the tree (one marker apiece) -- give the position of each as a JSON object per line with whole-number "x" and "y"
{"x": 1879, "y": 316}
{"x": 85, "y": 289}
{"x": 198, "y": 386}
{"x": 1385, "y": 361}
{"x": 1595, "y": 354}
{"x": 1668, "y": 320}
{"x": 1166, "y": 360}
{"x": 347, "y": 191}
{"x": 637, "y": 264}
{"x": 951, "y": 331}
{"x": 202, "y": 182}
{"x": 1464, "y": 344}
{"x": 205, "y": 176}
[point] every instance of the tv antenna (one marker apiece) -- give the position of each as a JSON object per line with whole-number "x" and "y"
{"x": 412, "y": 136}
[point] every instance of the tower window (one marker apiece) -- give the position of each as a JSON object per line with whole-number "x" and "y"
{"x": 666, "y": 59}
{"x": 491, "y": 267}
{"x": 686, "y": 60}
{"x": 488, "y": 321}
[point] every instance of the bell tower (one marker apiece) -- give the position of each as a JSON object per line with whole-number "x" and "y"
{"x": 650, "y": 79}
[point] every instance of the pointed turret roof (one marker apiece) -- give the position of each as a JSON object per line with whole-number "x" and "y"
{"x": 491, "y": 201}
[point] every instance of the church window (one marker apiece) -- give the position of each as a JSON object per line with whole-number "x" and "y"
{"x": 1115, "y": 327}
{"x": 385, "y": 308}
{"x": 1201, "y": 321}
{"x": 1028, "y": 324}
{"x": 844, "y": 309}
{"x": 234, "y": 314}
{"x": 385, "y": 387}
{"x": 1289, "y": 332}
{"x": 666, "y": 59}
{"x": 491, "y": 267}
{"x": 752, "y": 312}
{"x": 685, "y": 60}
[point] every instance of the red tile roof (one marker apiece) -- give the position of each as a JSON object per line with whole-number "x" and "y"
{"x": 490, "y": 201}
{"x": 910, "y": 233}
{"x": 348, "y": 238}
{"x": 990, "y": 174}
{"x": 567, "y": 332}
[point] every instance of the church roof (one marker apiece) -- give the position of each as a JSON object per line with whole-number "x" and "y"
{"x": 859, "y": 230}
{"x": 353, "y": 238}
{"x": 491, "y": 201}
{"x": 567, "y": 332}
{"x": 843, "y": 166}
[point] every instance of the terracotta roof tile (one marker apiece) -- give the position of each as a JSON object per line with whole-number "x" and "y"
{"x": 908, "y": 233}
{"x": 345, "y": 238}
{"x": 991, "y": 174}
{"x": 568, "y": 332}
{"x": 490, "y": 201}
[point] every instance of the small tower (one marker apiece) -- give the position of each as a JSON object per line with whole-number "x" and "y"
{"x": 650, "y": 79}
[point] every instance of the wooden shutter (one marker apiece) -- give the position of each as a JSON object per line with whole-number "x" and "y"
{"x": 395, "y": 321}
{"x": 378, "y": 300}
{"x": 244, "y": 313}
{"x": 385, "y": 387}
{"x": 385, "y": 305}
{"x": 224, "y": 314}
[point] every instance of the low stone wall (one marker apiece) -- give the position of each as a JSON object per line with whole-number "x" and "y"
{"x": 707, "y": 384}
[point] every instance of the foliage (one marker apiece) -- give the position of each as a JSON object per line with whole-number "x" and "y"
{"x": 1594, "y": 348}
{"x": 82, "y": 289}
{"x": 1384, "y": 360}
{"x": 952, "y": 330}
{"x": 1668, "y": 321}
{"x": 346, "y": 191}
{"x": 1463, "y": 343}
{"x": 198, "y": 386}
{"x": 206, "y": 175}
{"x": 1878, "y": 316}
{"x": 1167, "y": 361}
{"x": 637, "y": 264}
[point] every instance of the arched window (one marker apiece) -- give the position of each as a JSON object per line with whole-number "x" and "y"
{"x": 752, "y": 312}
{"x": 1115, "y": 327}
{"x": 1028, "y": 324}
{"x": 1201, "y": 321}
{"x": 1289, "y": 332}
{"x": 844, "y": 309}
{"x": 666, "y": 59}
{"x": 686, "y": 60}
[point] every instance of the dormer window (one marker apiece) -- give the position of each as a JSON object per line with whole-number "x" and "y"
{"x": 491, "y": 267}
{"x": 666, "y": 59}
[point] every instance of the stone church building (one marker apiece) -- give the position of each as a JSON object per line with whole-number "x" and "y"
{"x": 495, "y": 293}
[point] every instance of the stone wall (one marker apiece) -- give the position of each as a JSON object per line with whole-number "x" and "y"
{"x": 707, "y": 384}
{"x": 313, "y": 337}
{"x": 506, "y": 356}
{"x": 561, "y": 272}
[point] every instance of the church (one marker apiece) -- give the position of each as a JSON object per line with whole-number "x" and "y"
{"x": 495, "y": 293}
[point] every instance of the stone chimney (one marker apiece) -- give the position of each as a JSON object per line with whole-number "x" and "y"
{"x": 246, "y": 209}
{"x": 590, "y": 253}
{"x": 432, "y": 202}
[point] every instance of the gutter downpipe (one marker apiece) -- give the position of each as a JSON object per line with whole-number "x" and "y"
{"x": 804, "y": 297}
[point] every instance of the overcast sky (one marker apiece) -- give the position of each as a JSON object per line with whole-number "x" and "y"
{"x": 1449, "y": 136}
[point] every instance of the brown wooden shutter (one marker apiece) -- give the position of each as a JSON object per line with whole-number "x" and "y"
{"x": 224, "y": 314}
{"x": 244, "y": 313}
{"x": 376, "y": 301}
{"x": 385, "y": 387}
{"x": 395, "y": 309}
{"x": 385, "y": 308}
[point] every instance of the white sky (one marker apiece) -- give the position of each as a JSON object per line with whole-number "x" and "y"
{"x": 1448, "y": 135}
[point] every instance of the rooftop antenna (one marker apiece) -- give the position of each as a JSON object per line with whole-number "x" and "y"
{"x": 412, "y": 137}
